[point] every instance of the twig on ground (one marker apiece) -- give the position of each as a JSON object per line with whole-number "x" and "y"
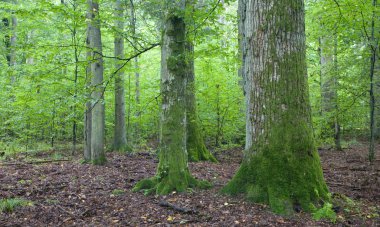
{"x": 177, "y": 208}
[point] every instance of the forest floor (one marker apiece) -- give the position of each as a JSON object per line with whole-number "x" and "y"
{"x": 68, "y": 193}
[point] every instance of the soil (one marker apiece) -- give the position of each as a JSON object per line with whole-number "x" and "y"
{"x": 68, "y": 193}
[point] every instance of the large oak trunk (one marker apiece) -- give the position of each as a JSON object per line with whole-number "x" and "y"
{"x": 281, "y": 166}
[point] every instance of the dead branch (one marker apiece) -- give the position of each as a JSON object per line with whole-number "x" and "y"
{"x": 184, "y": 210}
{"x": 33, "y": 162}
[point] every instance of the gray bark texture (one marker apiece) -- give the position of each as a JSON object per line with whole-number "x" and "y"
{"x": 136, "y": 125}
{"x": 98, "y": 111}
{"x": 87, "y": 114}
{"x": 281, "y": 166}
{"x": 120, "y": 133}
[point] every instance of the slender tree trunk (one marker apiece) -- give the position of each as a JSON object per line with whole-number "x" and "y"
{"x": 97, "y": 111}
{"x": 329, "y": 92}
{"x": 196, "y": 148}
{"x": 374, "y": 45}
{"x": 7, "y": 40}
{"x": 137, "y": 75}
{"x": 172, "y": 173}
{"x": 74, "y": 41}
{"x": 337, "y": 132}
{"x": 377, "y": 94}
{"x": 87, "y": 115}
{"x": 120, "y": 133}
{"x": 29, "y": 37}
{"x": 281, "y": 166}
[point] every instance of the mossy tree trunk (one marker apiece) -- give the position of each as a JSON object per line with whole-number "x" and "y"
{"x": 120, "y": 132}
{"x": 196, "y": 148}
{"x": 281, "y": 166}
{"x": 329, "y": 94}
{"x": 172, "y": 173}
{"x": 97, "y": 111}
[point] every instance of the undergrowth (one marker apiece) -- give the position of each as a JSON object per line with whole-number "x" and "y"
{"x": 9, "y": 205}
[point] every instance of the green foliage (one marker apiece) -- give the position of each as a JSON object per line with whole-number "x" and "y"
{"x": 326, "y": 212}
{"x": 9, "y": 205}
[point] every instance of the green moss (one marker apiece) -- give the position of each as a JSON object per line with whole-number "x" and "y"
{"x": 101, "y": 160}
{"x": 197, "y": 151}
{"x": 285, "y": 173}
{"x": 163, "y": 186}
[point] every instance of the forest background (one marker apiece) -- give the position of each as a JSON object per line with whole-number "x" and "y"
{"x": 43, "y": 72}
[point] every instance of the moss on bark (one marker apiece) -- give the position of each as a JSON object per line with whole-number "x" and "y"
{"x": 281, "y": 166}
{"x": 100, "y": 160}
{"x": 287, "y": 173}
{"x": 167, "y": 184}
{"x": 197, "y": 150}
{"x": 172, "y": 173}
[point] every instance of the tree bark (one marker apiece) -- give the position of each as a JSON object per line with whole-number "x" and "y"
{"x": 97, "y": 111}
{"x": 196, "y": 147}
{"x": 172, "y": 173}
{"x": 137, "y": 76}
{"x": 377, "y": 94}
{"x": 87, "y": 114}
{"x": 120, "y": 133}
{"x": 281, "y": 166}
{"x": 374, "y": 45}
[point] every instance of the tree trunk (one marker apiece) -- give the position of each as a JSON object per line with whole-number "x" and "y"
{"x": 281, "y": 166}
{"x": 120, "y": 134}
{"x": 377, "y": 94}
{"x": 172, "y": 172}
{"x": 374, "y": 44}
{"x": 87, "y": 115}
{"x": 74, "y": 39}
{"x": 196, "y": 148}
{"x": 137, "y": 76}
{"x": 97, "y": 111}
{"x": 329, "y": 92}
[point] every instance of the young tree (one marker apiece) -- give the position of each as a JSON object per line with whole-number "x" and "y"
{"x": 97, "y": 108}
{"x": 374, "y": 45}
{"x": 329, "y": 92}
{"x": 172, "y": 173}
{"x": 136, "y": 68}
{"x": 281, "y": 166}
{"x": 196, "y": 148}
{"x": 377, "y": 94}
{"x": 87, "y": 115}
{"x": 120, "y": 133}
